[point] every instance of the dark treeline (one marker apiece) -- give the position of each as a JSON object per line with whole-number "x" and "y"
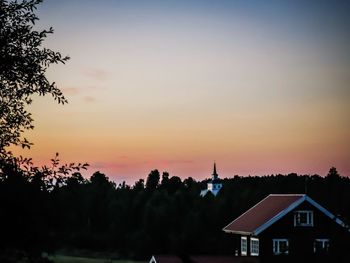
{"x": 162, "y": 214}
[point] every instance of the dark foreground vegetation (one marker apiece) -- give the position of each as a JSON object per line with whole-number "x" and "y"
{"x": 164, "y": 214}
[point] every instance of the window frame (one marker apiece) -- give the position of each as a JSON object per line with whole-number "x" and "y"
{"x": 324, "y": 241}
{"x": 256, "y": 247}
{"x": 309, "y": 218}
{"x": 276, "y": 246}
{"x": 244, "y": 240}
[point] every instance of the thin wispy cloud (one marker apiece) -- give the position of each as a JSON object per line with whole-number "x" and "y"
{"x": 176, "y": 162}
{"x": 96, "y": 74}
{"x": 116, "y": 165}
{"x": 71, "y": 91}
{"x": 89, "y": 99}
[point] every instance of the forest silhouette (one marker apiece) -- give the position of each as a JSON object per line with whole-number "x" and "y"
{"x": 162, "y": 215}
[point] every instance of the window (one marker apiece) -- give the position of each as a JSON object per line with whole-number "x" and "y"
{"x": 254, "y": 246}
{"x": 244, "y": 246}
{"x": 303, "y": 218}
{"x": 280, "y": 246}
{"x": 321, "y": 246}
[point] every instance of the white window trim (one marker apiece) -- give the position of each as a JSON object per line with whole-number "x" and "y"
{"x": 253, "y": 239}
{"x": 309, "y": 216}
{"x": 244, "y": 252}
{"x": 323, "y": 240}
{"x": 276, "y": 246}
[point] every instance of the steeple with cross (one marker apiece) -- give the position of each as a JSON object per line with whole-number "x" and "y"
{"x": 214, "y": 185}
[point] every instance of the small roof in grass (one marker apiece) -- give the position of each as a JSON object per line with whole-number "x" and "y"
{"x": 201, "y": 259}
{"x": 165, "y": 259}
{"x": 268, "y": 211}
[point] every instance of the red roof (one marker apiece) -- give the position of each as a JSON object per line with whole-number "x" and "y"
{"x": 262, "y": 213}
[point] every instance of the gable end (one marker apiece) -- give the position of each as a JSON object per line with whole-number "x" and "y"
{"x": 290, "y": 208}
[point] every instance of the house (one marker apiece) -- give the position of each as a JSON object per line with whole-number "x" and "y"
{"x": 214, "y": 185}
{"x": 290, "y": 228}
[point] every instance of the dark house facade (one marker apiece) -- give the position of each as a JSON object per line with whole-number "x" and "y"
{"x": 290, "y": 228}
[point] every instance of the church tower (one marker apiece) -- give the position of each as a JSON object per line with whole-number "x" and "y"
{"x": 214, "y": 185}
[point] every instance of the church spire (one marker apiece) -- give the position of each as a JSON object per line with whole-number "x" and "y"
{"x": 215, "y": 175}
{"x": 214, "y": 185}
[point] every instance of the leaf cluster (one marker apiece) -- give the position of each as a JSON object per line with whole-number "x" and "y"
{"x": 23, "y": 64}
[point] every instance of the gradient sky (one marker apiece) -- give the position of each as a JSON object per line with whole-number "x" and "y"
{"x": 261, "y": 87}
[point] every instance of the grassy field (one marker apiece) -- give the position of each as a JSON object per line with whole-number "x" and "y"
{"x": 69, "y": 259}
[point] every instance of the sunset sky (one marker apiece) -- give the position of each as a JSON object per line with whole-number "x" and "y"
{"x": 261, "y": 87}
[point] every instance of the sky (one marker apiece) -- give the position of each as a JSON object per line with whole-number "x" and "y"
{"x": 260, "y": 87}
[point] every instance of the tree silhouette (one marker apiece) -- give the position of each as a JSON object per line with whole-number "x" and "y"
{"x": 152, "y": 181}
{"x": 22, "y": 69}
{"x": 333, "y": 174}
{"x": 26, "y": 218}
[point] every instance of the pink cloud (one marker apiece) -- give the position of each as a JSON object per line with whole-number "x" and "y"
{"x": 176, "y": 161}
{"x": 71, "y": 91}
{"x": 89, "y": 99}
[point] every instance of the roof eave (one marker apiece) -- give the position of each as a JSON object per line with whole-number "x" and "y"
{"x": 237, "y": 232}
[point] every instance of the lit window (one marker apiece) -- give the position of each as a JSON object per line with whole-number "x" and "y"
{"x": 280, "y": 246}
{"x": 321, "y": 246}
{"x": 254, "y": 246}
{"x": 303, "y": 218}
{"x": 244, "y": 247}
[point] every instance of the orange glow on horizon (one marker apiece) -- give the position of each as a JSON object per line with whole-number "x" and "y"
{"x": 177, "y": 86}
